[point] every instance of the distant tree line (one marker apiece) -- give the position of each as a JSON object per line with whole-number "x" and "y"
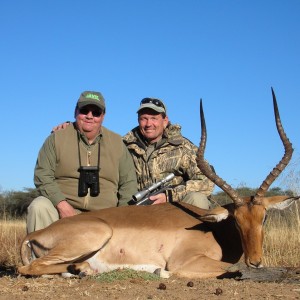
{"x": 13, "y": 204}
{"x": 222, "y": 198}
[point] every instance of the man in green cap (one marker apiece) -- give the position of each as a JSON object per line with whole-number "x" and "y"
{"x": 158, "y": 149}
{"x": 82, "y": 168}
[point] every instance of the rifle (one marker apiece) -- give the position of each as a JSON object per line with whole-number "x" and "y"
{"x": 142, "y": 197}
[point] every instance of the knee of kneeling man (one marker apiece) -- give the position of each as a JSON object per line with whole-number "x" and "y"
{"x": 40, "y": 203}
{"x": 197, "y": 199}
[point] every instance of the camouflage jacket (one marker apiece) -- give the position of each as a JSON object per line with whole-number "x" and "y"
{"x": 172, "y": 154}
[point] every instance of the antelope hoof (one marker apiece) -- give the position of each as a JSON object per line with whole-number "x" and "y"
{"x": 162, "y": 273}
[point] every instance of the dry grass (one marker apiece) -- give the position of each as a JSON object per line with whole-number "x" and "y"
{"x": 12, "y": 233}
{"x": 281, "y": 243}
{"x": 282, "y": 238}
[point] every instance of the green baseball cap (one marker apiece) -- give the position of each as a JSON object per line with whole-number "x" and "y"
{"x": 91, "y": 98}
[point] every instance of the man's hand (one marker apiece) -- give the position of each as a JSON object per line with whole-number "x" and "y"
{"x": 65, "y": 209}
{"x": 158, "y": 198}
{"x": 61, "y": 126}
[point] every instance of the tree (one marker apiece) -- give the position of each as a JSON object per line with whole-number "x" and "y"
{"x": 15, "y": 203}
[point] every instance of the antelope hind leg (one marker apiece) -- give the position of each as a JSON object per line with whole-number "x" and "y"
{"x": 63, "y": 243}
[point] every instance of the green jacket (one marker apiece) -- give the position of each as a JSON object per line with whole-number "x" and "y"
{"x": 173, "y": 154}
{"x": 56, "y": 173}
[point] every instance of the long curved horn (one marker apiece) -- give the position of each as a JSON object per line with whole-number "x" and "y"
{"x": 206, "y": 169}
{"x": 283, "y": 162}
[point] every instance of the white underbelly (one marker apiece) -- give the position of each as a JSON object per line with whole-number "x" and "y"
{"x": 100, "y": 266}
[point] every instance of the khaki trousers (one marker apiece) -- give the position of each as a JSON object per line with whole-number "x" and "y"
{"x": 41, "y": 213}
{"x": 197, "y": 199}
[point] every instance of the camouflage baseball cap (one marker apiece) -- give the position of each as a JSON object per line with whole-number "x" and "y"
{"x": 90, "y": 97}
{"x": 153, "y": 103}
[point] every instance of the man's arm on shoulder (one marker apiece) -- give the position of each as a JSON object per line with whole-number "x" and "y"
{"x": 61, "y": 126}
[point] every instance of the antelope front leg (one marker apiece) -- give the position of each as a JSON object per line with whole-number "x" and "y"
{"x": 202, "y": 267}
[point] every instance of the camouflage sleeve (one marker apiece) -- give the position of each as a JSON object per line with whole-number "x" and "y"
{"x": 192, "y": 179}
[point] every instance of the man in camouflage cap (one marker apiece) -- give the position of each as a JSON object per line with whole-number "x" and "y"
{"x": 158, "y": 149}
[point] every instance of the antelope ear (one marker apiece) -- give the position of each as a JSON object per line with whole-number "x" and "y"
{"x": 214, "y": 215}
{"x": 279, "y": 202}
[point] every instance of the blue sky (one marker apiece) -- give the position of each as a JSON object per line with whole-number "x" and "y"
{"x": 229, "y": 53}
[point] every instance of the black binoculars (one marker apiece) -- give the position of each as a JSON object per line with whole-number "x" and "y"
{"x": 89, "y": 178}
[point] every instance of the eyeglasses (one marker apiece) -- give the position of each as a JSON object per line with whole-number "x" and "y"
{"x": 154, "y": 101}
{"x": 95, "y": 112}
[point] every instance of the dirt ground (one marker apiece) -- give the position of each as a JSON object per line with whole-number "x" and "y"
{"x": 20, "y": 287}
